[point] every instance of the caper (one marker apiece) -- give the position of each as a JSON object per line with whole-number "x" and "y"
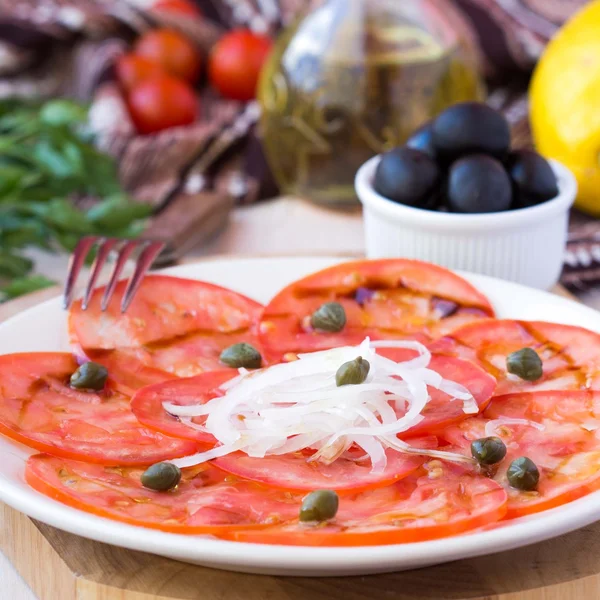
{"x": 522, "y": 474}
{"x": 525, "y": 363}
{"x": 320, "y": 505}
{"x": 161, "y": 477}
{"x": 488, "y": 450}
{"x": 352, "y": 372}
{"x": 241, "y": 355}
{"x": 89, "y": 376}
{"x": 330, "y": 317}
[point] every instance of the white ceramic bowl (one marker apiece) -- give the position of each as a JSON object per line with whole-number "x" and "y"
{"x": 526, "y": 245}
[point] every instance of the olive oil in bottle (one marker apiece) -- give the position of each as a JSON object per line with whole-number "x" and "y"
{"x": 355, "y": 78}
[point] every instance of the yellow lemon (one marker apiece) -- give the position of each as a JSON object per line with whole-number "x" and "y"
{"x": 565, "y": 103}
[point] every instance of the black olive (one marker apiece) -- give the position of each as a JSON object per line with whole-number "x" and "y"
{"x": 479, "y": 184}
{"x": 422, "y": 140}
{"x": 533, "y": 179}
{"x": 407, "y": 176}
{"x": 470, "y": 128}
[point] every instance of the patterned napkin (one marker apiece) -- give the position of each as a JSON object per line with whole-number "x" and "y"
{"x": 194, "y": 175}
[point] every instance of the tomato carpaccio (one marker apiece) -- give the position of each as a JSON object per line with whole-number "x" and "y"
{"x": 295, "y": 472}
{"x": 391, "y": 298}
{"x": 442, "y": 410}
{"x": 570, "y": 355}
{"x": 40, "y": 409}
{"x": 415, "y": 509}
{"x": 166, "y": 348}
{"x": 565, "y": 446}
{"x": 147, "y": 404}
{"x": 175, "y": 326}
{"x": 205, "y": 501}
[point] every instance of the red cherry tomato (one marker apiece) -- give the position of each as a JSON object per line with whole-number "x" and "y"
{"x": 161, "y": 103}
{"x": 180, "y": 7}
{"x": 173, "y": 51}
{"x": 236, "y": 61}
{"x": 132, "y": 70}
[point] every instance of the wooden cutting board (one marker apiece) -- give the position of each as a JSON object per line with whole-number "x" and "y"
{"x": 62, "y": 566}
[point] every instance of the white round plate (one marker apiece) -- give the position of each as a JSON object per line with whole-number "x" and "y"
{"x": 43, "y": 328}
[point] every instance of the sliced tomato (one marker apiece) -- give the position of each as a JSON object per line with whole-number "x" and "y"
{"x": 176, "y": 326}
{"x": 442, "y": 410}
{"x": 294, "y": 472}
{"x": 570, "y": 355}
{"x": 205, "y": 501}
{"x": 566, "y": 451}
{"x": 392, "y": 298}
{"x": 414, "y": 509}
{"x": 39, "y": 408}
{"x": 147, "y": 404}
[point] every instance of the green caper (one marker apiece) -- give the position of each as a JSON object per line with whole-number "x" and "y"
{"x": 488, "y": 450}
{"x": 525, "y": 363}
{"x": 352, "y": 372}
{"x": 241, "y": 355}
{"x": 522, "y": 474}
{"x": 89, "y": 376}
{"x": 320, "y": 505}
{"x": 330, "y": 317}
{"x": 161, "y": 477}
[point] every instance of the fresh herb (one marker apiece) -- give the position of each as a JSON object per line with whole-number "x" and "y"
{"x": 47, "y": 161}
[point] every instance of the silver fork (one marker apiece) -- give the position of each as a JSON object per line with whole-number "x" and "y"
{"x": 149, "y": 250}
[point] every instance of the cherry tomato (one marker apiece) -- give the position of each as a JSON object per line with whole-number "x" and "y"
{"x": 133, "y": 70}
{"x": 180, "y": 7}
{"x": 173, "y": 51}
{"x": 236, "y": 61}
{"x": 162, "y": 102}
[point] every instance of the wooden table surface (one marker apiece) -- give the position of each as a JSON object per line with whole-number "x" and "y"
{"x": 60, "y": 566}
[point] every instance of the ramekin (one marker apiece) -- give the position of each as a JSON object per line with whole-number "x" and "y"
{"x": 525, "y": 245}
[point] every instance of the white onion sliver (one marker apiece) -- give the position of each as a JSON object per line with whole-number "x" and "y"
{"x": 297, "y": 406}
{"x": 491, "y": 426}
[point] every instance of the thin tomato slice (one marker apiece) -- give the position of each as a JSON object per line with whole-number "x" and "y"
{"x": 415, "y": 509}
{"x": 566, "y": 451}
{"x": 205, "y": 501}
{"x": 175, "y": 326}
{"x": 570, "y": 355}
{"x": 39, "y": 408}
{"x": 147, "y": 404}
{"x": 295, "y": 472}
{"x": 392, "y": 298}
{"x": 442, "y": 410}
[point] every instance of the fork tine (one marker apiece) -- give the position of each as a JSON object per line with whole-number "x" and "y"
{"x": 76, "y": 262}
{"x": 124, "y": 255}
{"x": 106, "y": 246}
{"x": 144, "y": 262}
